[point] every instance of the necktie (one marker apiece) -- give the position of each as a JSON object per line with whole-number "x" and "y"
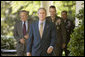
{"x": 24, "y": 29}
{"x": 41, "y": 29}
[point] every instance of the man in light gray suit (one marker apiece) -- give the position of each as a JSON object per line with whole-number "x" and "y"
{"x": 21, "y": 32}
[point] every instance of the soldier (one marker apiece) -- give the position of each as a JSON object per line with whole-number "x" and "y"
{"x": 61, "y": 32}
{"x": 69, "y": 26}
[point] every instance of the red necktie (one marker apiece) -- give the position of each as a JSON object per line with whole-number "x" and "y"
{"x": 24, "y": 29}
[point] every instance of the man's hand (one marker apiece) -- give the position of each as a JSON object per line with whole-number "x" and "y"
{"x": 28, "y": 54}
{"x": 26, "y": 36}
{"x": 58, "y": 21}
{"x": 22, "y": 41}
{"x": 50, "y": 49}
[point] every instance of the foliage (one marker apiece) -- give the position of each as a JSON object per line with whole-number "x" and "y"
{"x": 76, "y": 44}
{"x": 69, "y": 6}
{"x": 25, "y": 5}
{"x": 8, "y": 43}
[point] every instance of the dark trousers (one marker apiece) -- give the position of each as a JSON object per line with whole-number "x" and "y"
{"x": 58, "y": 51}
{"x": 66, "y": 51}
{"x": 21, "y": 53}
{"x": 46, "y": 54}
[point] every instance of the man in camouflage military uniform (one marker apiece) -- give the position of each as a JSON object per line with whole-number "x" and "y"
{"x": 69, "y": 26}
{"x": 60, "y": 28}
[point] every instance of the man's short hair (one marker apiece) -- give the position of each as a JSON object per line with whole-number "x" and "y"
{"x": 43, "y": 9}
{"x": 27, "y": 12}
{"x": 53, "y": 7}
{"x": 64, "y": 12}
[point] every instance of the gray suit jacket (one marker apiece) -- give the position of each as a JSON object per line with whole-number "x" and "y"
{"x": 18, "y": 34}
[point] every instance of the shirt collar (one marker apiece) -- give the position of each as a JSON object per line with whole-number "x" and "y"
{"x": 42, "y": 21}
{"x": 23, "y": 22}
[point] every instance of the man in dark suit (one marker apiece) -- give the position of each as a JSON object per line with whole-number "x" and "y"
{"x": 60, "y": 28}
{"x": 69, "y": 26}
{"x": 41, "y": 36}
{"x": 21, "y": 30}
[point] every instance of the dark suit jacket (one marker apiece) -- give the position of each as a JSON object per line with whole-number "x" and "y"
{"x": 38, "y": 46}
{"x": 18, "y": 34}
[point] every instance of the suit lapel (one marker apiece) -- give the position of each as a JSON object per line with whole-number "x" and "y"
{"x": 28, "y": 26}
{"x": 37, "y": 30}
{"x": 45, "y": 29}
{"x": 28, "y": 23}
{"x": 21, "y": 28}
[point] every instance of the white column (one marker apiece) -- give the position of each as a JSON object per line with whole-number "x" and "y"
{"x": 78, "y": 7}
{"x": 46, "y": 5}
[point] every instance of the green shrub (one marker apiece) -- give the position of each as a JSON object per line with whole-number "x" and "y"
{"x": 76, "y": 44}
{"x": 8, "y": 43}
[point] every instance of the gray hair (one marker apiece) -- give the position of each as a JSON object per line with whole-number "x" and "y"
{"x": 27, "y": 12}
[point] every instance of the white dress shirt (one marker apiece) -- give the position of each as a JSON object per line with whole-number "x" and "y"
{"x": 40, "y": 24}
{"x": 44, "y": 22}
{"x": 26, "y": 23}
